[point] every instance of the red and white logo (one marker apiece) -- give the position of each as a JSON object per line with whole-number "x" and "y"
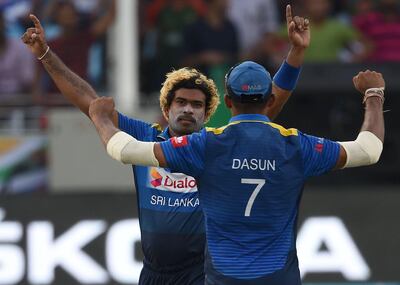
{"x": 179, "y": 141}
{"x": 319, "y": 146}
{"x": 245, "y": 87}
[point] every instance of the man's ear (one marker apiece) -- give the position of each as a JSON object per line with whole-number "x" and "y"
{"x": 228, "y": 101}
{"x": 271, "y": 100}
{"x": 166, "y": 114}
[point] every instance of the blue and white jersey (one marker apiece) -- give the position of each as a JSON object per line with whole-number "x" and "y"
{"x": 170, "y": 217}
{"x": 251, "y": 175}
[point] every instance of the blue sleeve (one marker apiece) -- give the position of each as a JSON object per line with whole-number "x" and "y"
{"x": 186, "y": 154}
{"x": 319, "y": 155}
{"x": 136, "y": 128}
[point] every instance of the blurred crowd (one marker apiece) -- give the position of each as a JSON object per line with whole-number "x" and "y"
{"x": 210, "y": 35}
{"x": 214, "y": 34}
{"x": 75, "y": 30}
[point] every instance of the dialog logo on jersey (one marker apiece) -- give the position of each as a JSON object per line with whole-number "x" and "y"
{"x": 161, "y": 179}
{"x": 157, "y": 178}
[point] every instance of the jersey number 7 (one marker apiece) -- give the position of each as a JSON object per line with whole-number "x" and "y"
{"x": 260, "y": 183}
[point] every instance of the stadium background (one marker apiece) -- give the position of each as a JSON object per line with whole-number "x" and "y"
{"x": 68, "y": 212}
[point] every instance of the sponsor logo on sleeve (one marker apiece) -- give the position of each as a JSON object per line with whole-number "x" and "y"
{"x": 179, "y": 141}
{"x": 319, "y": 146}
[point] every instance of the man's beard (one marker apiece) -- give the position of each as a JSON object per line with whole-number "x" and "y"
{"x": 180, "y": 129}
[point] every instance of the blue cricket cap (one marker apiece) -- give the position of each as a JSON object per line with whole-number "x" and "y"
{"x": 249, "y": 82}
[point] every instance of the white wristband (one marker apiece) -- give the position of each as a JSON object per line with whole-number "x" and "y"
{"x": 374, "y": 92}
{"x": 117, "y": 143}
{"x": 45, "y": 53}
{"x": 365, "y": 150}
{"x": 128, "y": 150}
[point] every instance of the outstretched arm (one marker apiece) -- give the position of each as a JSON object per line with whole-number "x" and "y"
{"x": 368, "y": 146}
{"x": 76, "y": 90}
{"x": 286, "y": 78}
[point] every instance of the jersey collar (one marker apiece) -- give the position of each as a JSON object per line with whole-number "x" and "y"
{"x": 249, "y": 117}
{"x": 164, "y": 135}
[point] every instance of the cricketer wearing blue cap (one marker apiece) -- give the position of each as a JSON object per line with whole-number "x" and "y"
{"x": 251, "y": 173}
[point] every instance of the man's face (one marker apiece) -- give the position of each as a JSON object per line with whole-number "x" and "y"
{"x": 67, "y": 17}
{"x": 186, "y": 113}
{"x": 219, "y": 5}
{"x": 318, "y": 9}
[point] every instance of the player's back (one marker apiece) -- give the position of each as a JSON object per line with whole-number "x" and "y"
{"x": 250, "y": 190}
{"x": 250, "y": 176}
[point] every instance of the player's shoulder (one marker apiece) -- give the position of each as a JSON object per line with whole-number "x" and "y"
{"x": 156, "y": 127}
{"x": 283, "y": 131}
{"x": 216, "y": 131}
{"x": 221, "y": 130}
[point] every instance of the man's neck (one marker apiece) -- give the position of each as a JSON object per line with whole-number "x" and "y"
{"x": 172, "y": 134}
{"x": 214, "y": 19}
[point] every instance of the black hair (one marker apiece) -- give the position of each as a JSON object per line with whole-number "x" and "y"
{"x": 194, "y": 82}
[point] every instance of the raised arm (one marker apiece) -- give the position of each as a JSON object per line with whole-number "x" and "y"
{"x": 120, "y": 145}
{"x": 286, "y": 78}
{"x": 76, "y": 90}
{"x": 368, "y": 146}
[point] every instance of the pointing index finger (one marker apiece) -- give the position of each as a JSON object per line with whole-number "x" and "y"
{"x": 289, "y": 17}
{"x": 36, "y": 22}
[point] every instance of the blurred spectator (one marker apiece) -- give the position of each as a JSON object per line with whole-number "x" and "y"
{"x": 331, "y": 40}
{"x": 381, "y": 27}
{"x": 16, "y": 65}
{"x": 159, "y": 7}
{"x": 254, "y": 20}
{"x": 211, "y": 45}
{"x": 212, "y": 41}
{"x": 14, "y": 11}
{"x": 362, "y": 7}
{"x": 88, "y": 10}
{"x": 166, "y": 21}
{"x": 76, "y": 37}
{"x": 89, "y": 7}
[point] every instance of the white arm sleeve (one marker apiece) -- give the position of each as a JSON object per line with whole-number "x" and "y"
{"x": 365, "y": 150}
{"x": 128, "y": 150}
